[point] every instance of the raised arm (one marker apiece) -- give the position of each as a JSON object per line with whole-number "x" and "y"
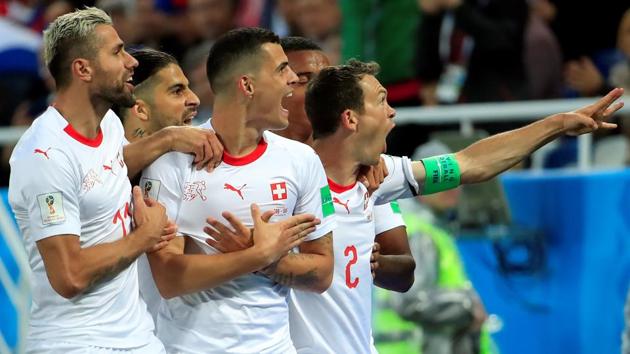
{"x": 203, "y": 143}
{"x": 73, "y": 270}
{"x": 490, "y": 156}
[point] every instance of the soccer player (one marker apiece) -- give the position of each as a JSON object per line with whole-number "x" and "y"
{"x": 351, "y": 118}
{"x": 237, "y": 301}
{"x": 163, "y": 96}
{"x": 70, "y": 192}
{"x": 163, "y": 101}
{"x": 394, "y": 264}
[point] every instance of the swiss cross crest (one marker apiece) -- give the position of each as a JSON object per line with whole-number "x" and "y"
{"x": 195, "y": 189}
{"x": 279, "y": 191}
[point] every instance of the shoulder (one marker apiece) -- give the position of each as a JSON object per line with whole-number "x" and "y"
{"x": 42, "y": 142}
{"x": 290, "y": 147}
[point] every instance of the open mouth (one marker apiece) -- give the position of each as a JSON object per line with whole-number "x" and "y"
{"x": 129, "y": 83}
{"x": 188, "y": 118}
{"x": 282, "y": 109}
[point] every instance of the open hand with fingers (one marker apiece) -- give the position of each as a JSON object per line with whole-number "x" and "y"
{"x": 376, "y": 254}
{"x": 272, "y": 240}
{"x": 373, "y": 176}
{"x": 594, "y": 116}
{"x": 203, "y": 143}
{"x": 152, "y": 228}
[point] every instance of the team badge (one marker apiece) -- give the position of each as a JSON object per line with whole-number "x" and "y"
{"x": 195, "y": 189}
{"x": 150, "y": 188}
{"x": 51, "y": 208}
{"x": 279, "y": 191}
{"x": 328, "y": 208}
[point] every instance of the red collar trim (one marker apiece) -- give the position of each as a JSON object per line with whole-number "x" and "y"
{"x": 96, "y": 142}
{"x": 337, "y": 188}
{"x": 247, "y": 159}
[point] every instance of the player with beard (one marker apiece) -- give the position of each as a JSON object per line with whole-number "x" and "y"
{"x": 163, "y": 96}
{"x": 70, "y": 192}
{"x": 221, "y": 301}
{"x": 351, "y": 118}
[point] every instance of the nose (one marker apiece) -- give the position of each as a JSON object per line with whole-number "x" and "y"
{"x": 293, "y": 78}
{"x": 392, "y": 112}
{"x": 192, "y": 99}
{"x": 131, "y": 61}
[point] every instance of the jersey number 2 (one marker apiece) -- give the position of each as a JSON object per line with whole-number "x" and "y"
{"x": 352, "y": 252}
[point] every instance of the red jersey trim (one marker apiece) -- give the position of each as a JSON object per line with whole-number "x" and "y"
{"x": 96, "y": 142}
{"x": 337, "y": 188}
{"x": 247, "y": 159}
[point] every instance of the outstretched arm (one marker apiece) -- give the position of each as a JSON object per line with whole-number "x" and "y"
{"x": 493, "y": 155}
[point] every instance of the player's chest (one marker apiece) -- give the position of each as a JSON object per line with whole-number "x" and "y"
{"x": 235, "y": 189}
{"x": 103, "y": 184}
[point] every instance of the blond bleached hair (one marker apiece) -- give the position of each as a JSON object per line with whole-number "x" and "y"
{"x": 69, "y": 37}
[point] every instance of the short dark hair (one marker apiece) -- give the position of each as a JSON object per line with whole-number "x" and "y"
{"x": 294, "y": 44}
{"x": 150, "y": 61}
{"x": 332, "y": 91}
{"x": 231, "y": 49}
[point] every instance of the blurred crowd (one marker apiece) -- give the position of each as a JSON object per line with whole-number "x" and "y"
{"x": 431, "y": 52}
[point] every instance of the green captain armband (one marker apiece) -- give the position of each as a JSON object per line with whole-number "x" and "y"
{"x": 442, "y": 173}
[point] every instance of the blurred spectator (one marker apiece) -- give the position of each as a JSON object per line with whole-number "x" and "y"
{"x": 442, "y": 300}
{"x": 280, "y": 17}
{"x": 493, "y": 69}
{"x": 383, "y": 31}
{"x": 543, "y": 56}
{"x": 583, "y": 76}
{"x": 213, "y": 18}
{"x": 320, "y": 20}
{"x": 585, "y": 28}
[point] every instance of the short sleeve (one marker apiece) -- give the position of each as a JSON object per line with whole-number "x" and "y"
{"x": 47, "y": 192}
{"x": 163, "y": 181}
{"x": 387, "y": 217}
{"x": 399, "y": 183}
{"x": 315, "y": 197}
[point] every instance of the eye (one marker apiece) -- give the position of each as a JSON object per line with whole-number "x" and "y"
{"x": 303, "y": 79}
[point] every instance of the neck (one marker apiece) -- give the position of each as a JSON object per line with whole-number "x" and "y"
{"x": 238, "y": 135}
{"x": 81, "y": 110}
{"x": 337, "y": 159}
{"x": 135, "y": 129}
{"x": 302, "y": 137}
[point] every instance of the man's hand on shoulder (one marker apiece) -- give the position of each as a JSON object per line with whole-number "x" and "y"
{"x": 203, "y": 143}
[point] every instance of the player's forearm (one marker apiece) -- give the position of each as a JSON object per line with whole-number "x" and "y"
{"x": 143, "y": 152}
{"x": 493, "y": 155}
{"x": 310, "y": 270}
{"x": 490, "y": 156}
{"x": 77, "y": 270}
{"x": 395, "y": 272}
{"x": 181, "y": 274}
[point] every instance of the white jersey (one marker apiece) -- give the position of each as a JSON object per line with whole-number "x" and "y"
{"x": 248, "y": 314}
{"x": 387, "y": 217}
{"x": 63, "y": 183}
{"x": 339, "y": 320}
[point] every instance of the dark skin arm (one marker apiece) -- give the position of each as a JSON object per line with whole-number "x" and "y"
{"x": 392, "y": 262}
